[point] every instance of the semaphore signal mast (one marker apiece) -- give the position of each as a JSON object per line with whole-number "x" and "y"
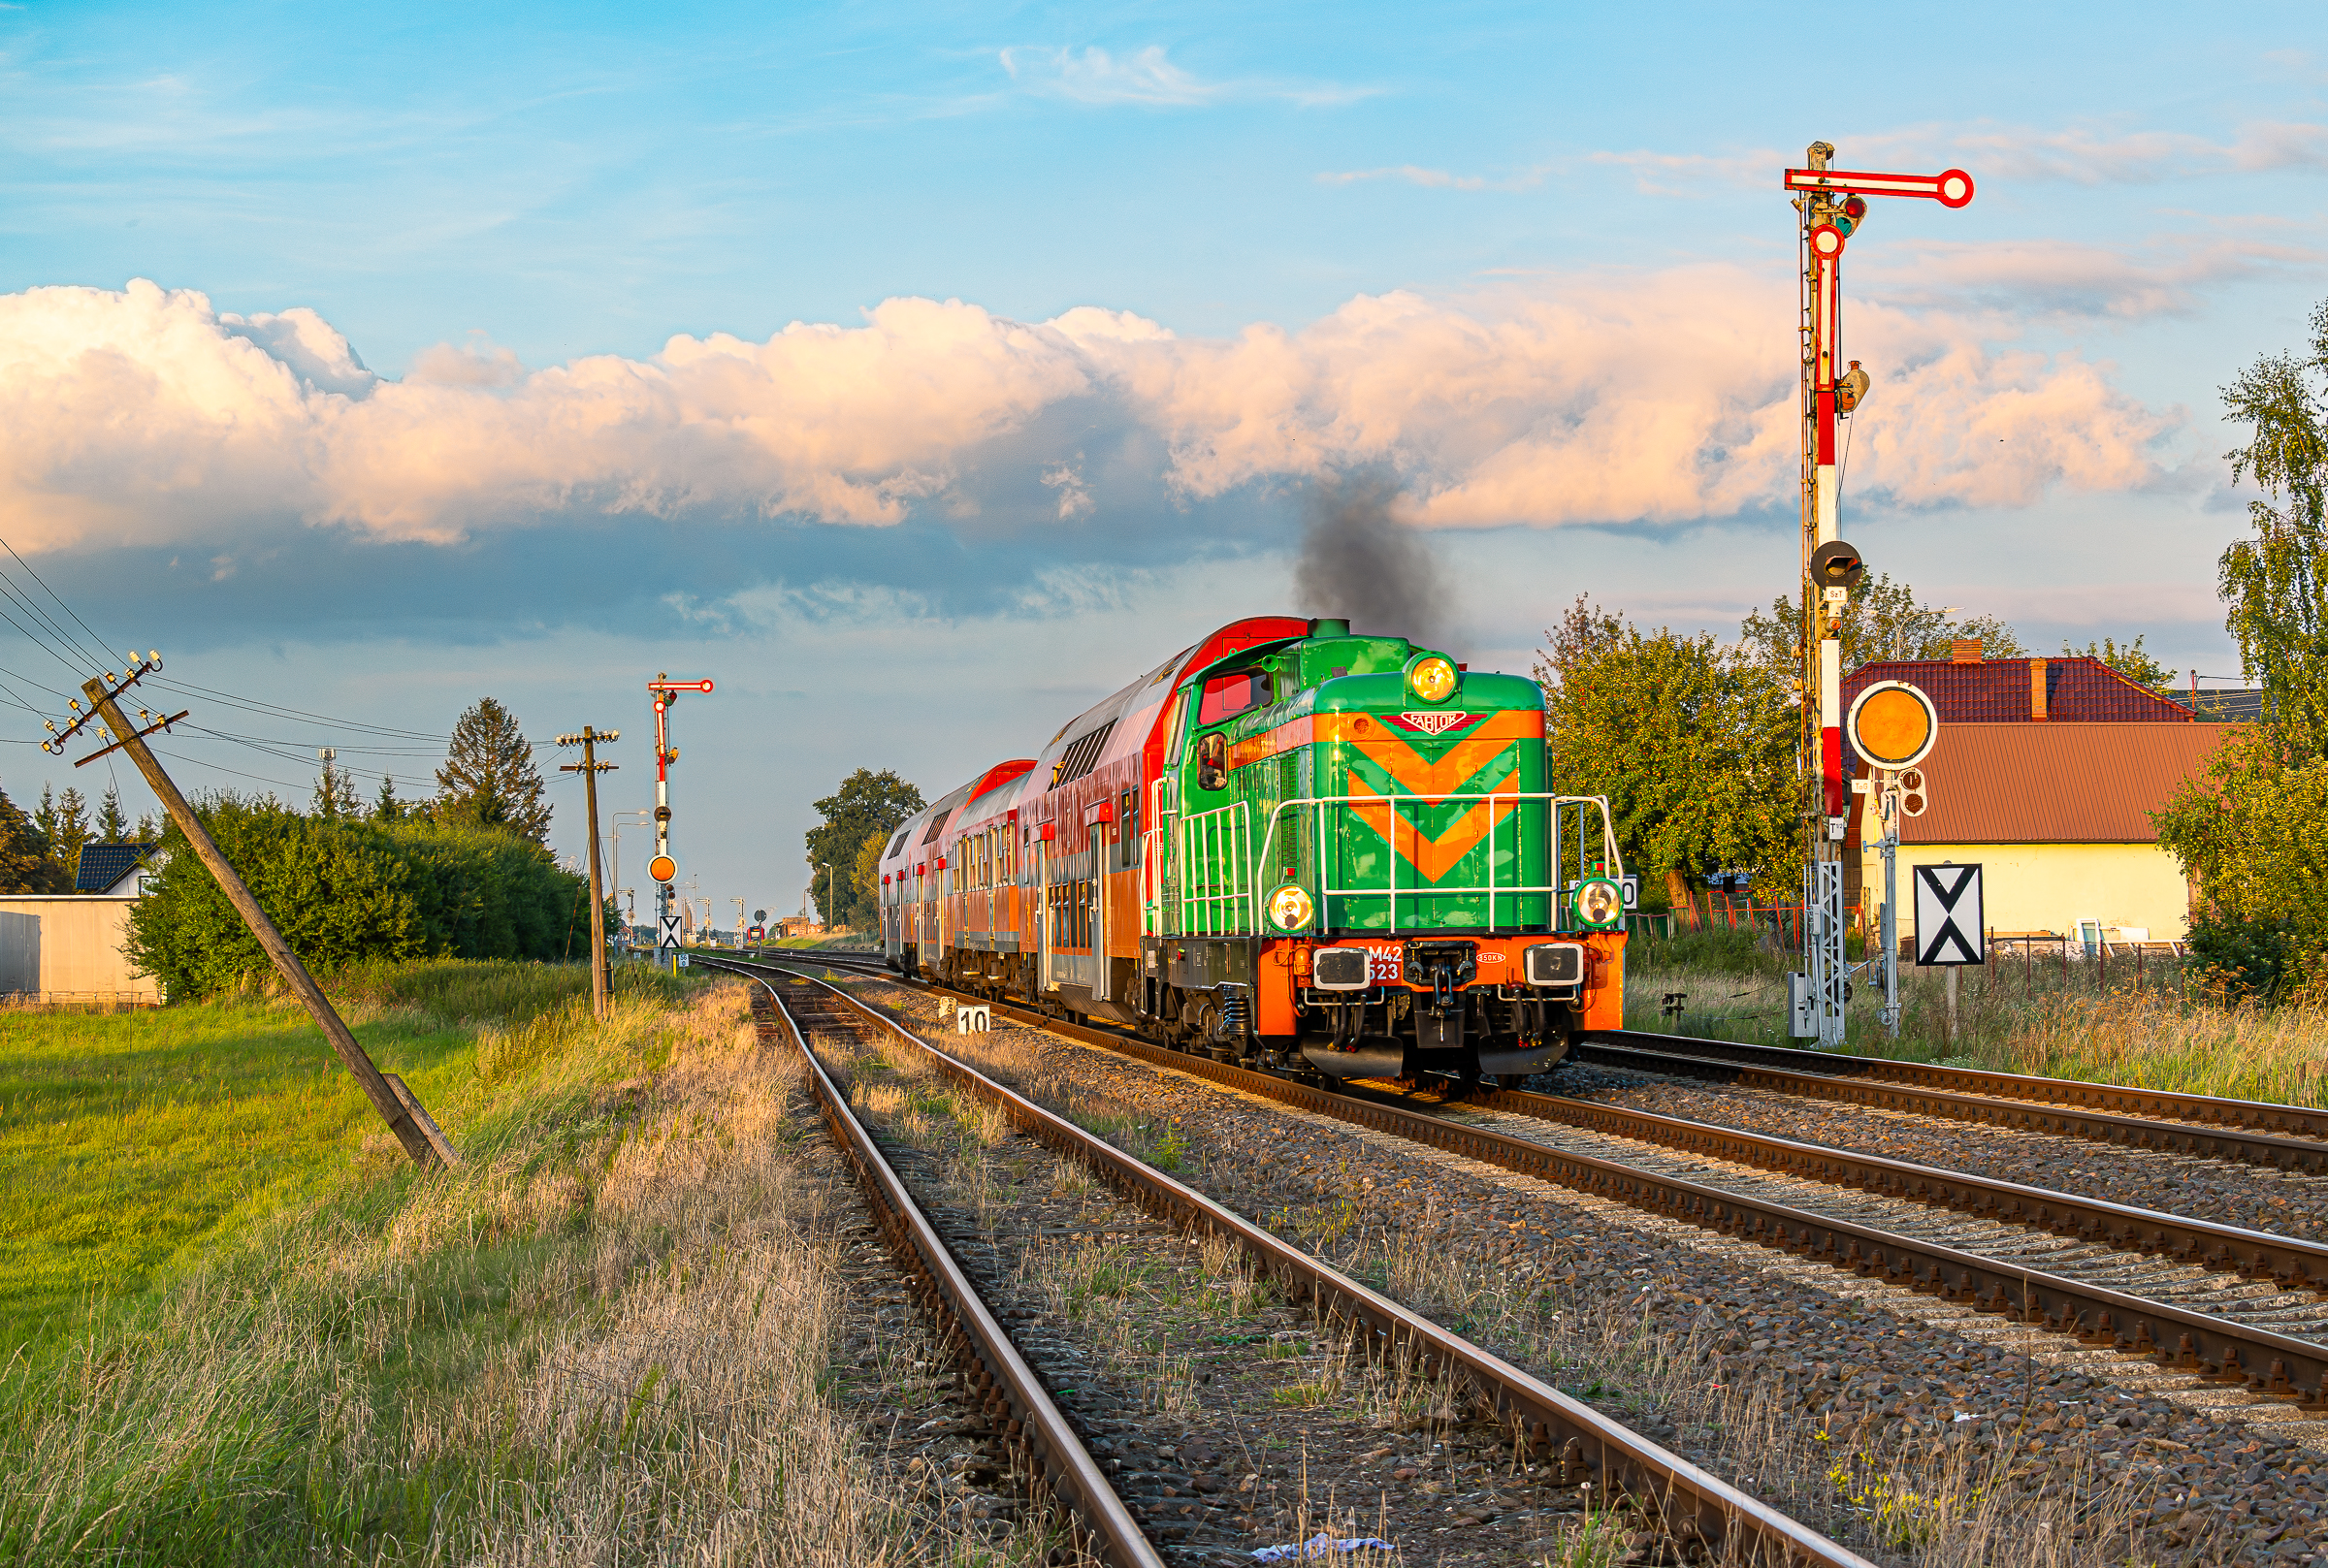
{"x": 1830, "y": 205}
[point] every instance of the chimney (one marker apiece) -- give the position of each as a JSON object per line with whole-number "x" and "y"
{"x": 1964, "y": 651}
{"x": 2037, "y": 690}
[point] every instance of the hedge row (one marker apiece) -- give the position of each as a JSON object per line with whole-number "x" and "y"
{"x": 346, "y": 889}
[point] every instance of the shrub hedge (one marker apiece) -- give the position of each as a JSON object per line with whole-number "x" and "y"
{"x": 347, "y": 891}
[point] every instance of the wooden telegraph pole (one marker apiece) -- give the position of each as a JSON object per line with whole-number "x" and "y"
{"x": 601, "y": 988}
{"x": 395, "y": 1103}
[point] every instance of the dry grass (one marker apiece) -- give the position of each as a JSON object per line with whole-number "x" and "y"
{"x": 609, "y": 1337}
{"x": 2147, "y": 1032}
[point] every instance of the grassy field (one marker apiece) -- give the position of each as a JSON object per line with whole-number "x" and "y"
{"x": 2151, "y": 1027}
{"x": 132, "y": 1142}
{"x": 610, "y": 1336}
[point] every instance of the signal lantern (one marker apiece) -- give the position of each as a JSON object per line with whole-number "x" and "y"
{"x": 1913, "y": 797}
{"x": 1851, "y": 215}
{"x": 1836, "y": 565}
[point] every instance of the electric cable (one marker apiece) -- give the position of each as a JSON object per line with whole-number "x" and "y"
{"x": 279, "y": 710}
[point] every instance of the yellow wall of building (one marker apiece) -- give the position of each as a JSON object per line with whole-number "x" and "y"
{"x": 79, "y": 942}
{"x": 2052, "y": 886}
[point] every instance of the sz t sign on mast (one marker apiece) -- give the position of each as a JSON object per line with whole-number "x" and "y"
{"x": 1830, "y": 205}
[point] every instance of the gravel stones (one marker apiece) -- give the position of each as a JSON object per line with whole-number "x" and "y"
{"x": 1890, "y": 1382}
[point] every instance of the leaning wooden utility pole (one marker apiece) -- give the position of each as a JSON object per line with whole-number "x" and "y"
{"x": 602, "y": 986}
{"x": 397, "y": 1106}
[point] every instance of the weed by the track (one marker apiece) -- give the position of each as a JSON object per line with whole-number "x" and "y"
{"x": 2143, "y": 1029}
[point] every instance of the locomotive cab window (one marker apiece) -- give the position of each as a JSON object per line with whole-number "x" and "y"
{"x": 1212, "y": 761}
{"x": 1228, "y": 695}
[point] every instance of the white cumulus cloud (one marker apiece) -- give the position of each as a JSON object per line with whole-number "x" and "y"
{"x": 146, "y": 415}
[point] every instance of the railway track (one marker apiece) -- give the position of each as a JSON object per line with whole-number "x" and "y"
{"x": 2250, "y": 1314}
{"x": 2288, "y": 1138}
{"x": 1574, "y": 1444}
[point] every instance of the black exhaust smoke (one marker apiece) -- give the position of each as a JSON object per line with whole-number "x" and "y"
{"x": 1360, "y": 563}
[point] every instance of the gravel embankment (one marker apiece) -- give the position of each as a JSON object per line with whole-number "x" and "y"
{"x": 2039, "y": 1437}
{"x": 2292, "y": 1204}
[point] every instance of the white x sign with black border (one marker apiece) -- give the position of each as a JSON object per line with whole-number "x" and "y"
{"x": 671, "y": 932}
{"x": 1949, "y": 929}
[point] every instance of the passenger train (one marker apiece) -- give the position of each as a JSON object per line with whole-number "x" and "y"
{"x": 1314, "y": 851}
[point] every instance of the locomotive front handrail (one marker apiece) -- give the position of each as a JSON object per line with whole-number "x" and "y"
{"x": 1494, "y": 799}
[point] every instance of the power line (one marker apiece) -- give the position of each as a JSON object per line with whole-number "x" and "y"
{"x": 279, "y": 710}
{"x": 52, "y": 593}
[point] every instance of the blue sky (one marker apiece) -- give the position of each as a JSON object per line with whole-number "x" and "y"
{"x": 431, "y": 398}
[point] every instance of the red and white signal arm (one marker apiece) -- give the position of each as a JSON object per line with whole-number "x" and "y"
{"x": 1893, "y": 724}
{"x": 680, "y": 685}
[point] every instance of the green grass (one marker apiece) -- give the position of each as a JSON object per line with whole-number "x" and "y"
{"x": 290, "y": 1344}
{"x": 132, "y": 1143}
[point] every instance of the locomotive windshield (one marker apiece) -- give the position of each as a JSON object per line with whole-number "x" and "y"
{"x": 1228, "y": 695}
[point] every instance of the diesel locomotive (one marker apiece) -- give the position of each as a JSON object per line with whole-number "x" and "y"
{"x": 1314, "y": 851}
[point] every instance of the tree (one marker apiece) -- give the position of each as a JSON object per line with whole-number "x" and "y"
{"x": 864, "y": 877}
{"x": 2249, "y": 838}
{"x": 1883, "y": 621}
{"x": 488, "y": 778}
{"x": 867, "y": 803}
{"x": 1691, "y": 741}
{"x": 64, "y": 822}
{"x": 2129, "y": 661}
{"x": 2275, "y": 582}
{"x": 346, "y": 889}
{"x": 25, "y": 864}
{"x": 112, "y": 823}
{"x": 385, "y": 805}
{"x": 336, "y": 792}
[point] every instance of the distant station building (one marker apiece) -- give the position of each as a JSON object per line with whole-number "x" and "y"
{"x": 2045, "y": 773}
{"x": 65, "y": 949}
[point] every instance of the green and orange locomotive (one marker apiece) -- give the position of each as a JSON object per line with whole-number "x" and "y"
{"x": 1314, "y": 851}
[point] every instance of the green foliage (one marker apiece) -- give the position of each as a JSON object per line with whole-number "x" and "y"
{"x": 2246, "y": 959}
{"x": 1692, "y": 742}
{"x": 336, "y": 792}
{"x": 64, "y": 822}
{"x": 2130, "y": 661}
{"x": 2274, "y": 581}
{"x": 488, "y": 778}
{"x": 2252, "y": 836}
{"x": 867, "y": 804}
{"x": 1882, "y": 621}
{"x": 113, "y": 823}
{"x": 25, "y": 864}
{"x": 865, "y": 878}
{"x": 345, "y": 891}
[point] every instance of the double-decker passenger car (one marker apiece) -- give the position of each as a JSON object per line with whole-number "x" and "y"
{"x": 1313, "y": 850}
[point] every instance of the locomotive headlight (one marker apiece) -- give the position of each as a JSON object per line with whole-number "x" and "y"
{"x": 1290, "y": 907}
{"x": 1600, "y": 903}
{"x": 1432, "y": 678}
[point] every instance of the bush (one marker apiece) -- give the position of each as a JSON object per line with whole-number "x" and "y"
{"x": 2249, "y": 836}
{"x": 2246, "y": 959}
{"x": 347, "y": 891}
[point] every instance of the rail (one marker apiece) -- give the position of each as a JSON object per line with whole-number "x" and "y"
{"x": 2264, "y": 1360}
{"x": 1032, "y": 1424}
{"x": 1692, "y": 1503}
{"x": 2251, "y": 1131}
{"x": 2286, "y": 1260}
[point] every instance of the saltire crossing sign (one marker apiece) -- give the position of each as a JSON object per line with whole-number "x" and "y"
{"x": 1948, "y": 916}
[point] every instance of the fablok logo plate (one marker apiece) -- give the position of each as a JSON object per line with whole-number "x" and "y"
{"x": 1430, "y": 722}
